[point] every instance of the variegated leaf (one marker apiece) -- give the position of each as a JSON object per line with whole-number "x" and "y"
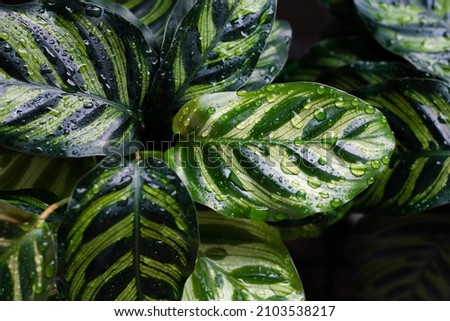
{"x": 273, "y": 57}
{"x": 130, "y": 233}
{"x": 329, "y": 54}
{"x": 57, "y": 175}
{"x": 215, "y": 48}
{"x": 418, "y": 175}
{"x": 416, "y": 30}
{"x": 363, "y": 73}
{"x": 283, "y": 152}
{"x": 76, "y": 78}
{"x": 241, "y": 260}
{"x": 405, "y": 258}
{"x": 27, "y": 255}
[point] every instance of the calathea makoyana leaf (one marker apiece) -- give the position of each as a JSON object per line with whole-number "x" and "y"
{"x": 57, "y": 175}
{"x": 363, "y": 73}
{"x": 418, "y": 175}
{"x": 416, "y": 30}
{"x": 130, "y": 233}
{"x": 282, "y": 152}
{"x": 79, "y": 76}
{"x": 30, "y": 200}
{"x": 405, "y": 258}
{"x": 273, "y": 57}
{"x": 27, "y": 255}
{"x": 332, "y": 53}
{"x": 215, "y": 48}
{"x": 241, "y": 260}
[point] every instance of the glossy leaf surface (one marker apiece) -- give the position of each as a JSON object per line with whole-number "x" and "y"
{"x": 79, "y": 75}
{"x": 329, "y": 54}
{"x": 241, "y": 260}
{"x": 283, "y": 152}
{"x": 215, "y": 48}
{"x": 405, "y": 258}
{"x": 418, "y": 175}
{"x": 130, "y": 233}
{"x": 27, "y": 255}
{"x": 273, "y": 58}
{"x": 363, "y": 73}
{"x": 416, "y": 30}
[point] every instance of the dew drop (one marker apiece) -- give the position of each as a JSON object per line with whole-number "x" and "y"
{"x": 320, "y": 114}
{"x": 322, "y": 161}
{"x": 369, "y": 110}
{"x": 376, "y": 164}
{"x": 358, "y": 169}
{"x": 271, "y": 98}
{"x": 298, "y": 141}
{"x": 270, "y": 88}
{"x": 320, "y": 90}
{"x": 339, "y": 103}
{"x": 313, "y": 183}
{"x": 335, "y": 203}
{"x": 370, "y": 180}
{"x": 301, "y": 195}
{"x": 324, "y": 195}
{"x": 211, "y": 110}
{"x": 385, "y": 160}
{"x": 355, "y": 102}
{"x": 93, "y": 11}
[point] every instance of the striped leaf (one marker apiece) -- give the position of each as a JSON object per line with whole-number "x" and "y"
{"x": 283, "y": 152}
{"x": 79, "y": 76}
{"x": 273, "y": 58}
{"x": 57, "y": 175}
{"x": 30, "y": 200}
{"x": 130, "y": 233}
{"x": 241, "y": 260}
{"x": 363, "y": 73}
{"x": 27, "y": 255}
{"x": 406, "y": 258}
{"x": 215, "y": 48}
{"x": 311, "y": 226}
{"x": 416, "y": 30}
{"x": 329, "y": 54}
{"x": 157, "y": 19}
{"x": 418, "y": 175}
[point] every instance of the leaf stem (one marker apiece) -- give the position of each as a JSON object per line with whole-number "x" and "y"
{"x": 49, "y": 210}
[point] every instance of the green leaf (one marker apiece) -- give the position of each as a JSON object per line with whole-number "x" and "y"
{"x": 241, "y": 260}
{"x": 30, "y": 200}
{"x": 27, "y": 255}
{"x": 416, "y": 30}
{"x": 418, "y": 176}
{"x": 57, "y": 175}
{"x": 273, "y": 58}
{"x": 405, "y": 258}
{"x": 364, "y": 73}
{"x": 282, "y": 152}
{"x": 311, "y": 226}
{"x": 80, "y": 75}
{"x": 215, "y": 48}
{"x": 329, "y": 54}
{"x": 130, "y": 233}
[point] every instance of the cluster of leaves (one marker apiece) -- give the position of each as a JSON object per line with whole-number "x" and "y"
{"x": 405, "y": 75}
{"x": 165, "y": 107}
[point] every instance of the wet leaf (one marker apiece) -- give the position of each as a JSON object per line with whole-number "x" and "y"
{"x": 241, "y": 260}
{"x": 27, "y": 255}
{"x": 130, "y": 233}
{"x": 282, "y": 152}
{"x": 77, "y": 77}
{"x": 415, "y": 30}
